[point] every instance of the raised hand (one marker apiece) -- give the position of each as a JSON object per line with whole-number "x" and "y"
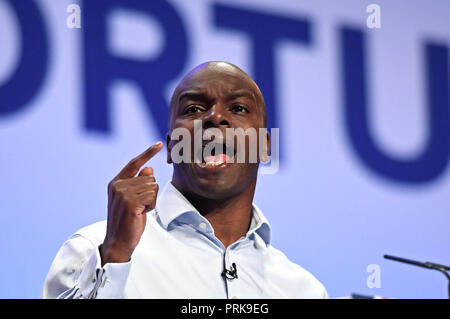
{"x": 130, "y": 197}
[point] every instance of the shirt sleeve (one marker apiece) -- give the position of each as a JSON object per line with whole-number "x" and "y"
{"x": 76, "y": 273}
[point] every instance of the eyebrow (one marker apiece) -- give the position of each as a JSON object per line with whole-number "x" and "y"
{"x": 201, "y": 96}
{"x": 196, "y": 96}
{"x": 240, "y": 93}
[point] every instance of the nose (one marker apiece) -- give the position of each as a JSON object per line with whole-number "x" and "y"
{"x": 216, "y": 117}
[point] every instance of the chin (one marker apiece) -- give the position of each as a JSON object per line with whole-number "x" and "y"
{"x": 215, "y": 189}
{"x": 219, "y": 182}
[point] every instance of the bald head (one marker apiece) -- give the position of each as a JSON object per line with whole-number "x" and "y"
{"x": 207, "y": 73}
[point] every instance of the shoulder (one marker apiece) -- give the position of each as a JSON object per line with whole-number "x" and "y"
{"x": 303, "y": 284}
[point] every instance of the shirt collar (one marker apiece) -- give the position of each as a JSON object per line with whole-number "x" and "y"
{"x": 171, "y": 204}
{"x": 260, "y": 225}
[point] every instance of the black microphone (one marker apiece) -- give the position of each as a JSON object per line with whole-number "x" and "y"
{"x": 442, "y": 268}
{"x": 230, "y": 274}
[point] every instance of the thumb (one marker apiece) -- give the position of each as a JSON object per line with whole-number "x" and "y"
{"x": 146, "y": 171}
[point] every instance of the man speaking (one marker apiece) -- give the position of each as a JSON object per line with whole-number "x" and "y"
{"x": 199, "y": 237}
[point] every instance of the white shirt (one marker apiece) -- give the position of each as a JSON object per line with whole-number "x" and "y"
{"x": 179, "y": 256}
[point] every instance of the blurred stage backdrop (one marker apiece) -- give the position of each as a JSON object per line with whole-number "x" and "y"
{"x": 363, "y": 116}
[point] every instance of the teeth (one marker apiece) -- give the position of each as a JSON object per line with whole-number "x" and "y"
{"x": 210, "y": 164}
{"x": 213, "y": 163}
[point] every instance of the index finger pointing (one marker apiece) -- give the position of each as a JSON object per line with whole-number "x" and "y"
{"x": 133, "y": 166}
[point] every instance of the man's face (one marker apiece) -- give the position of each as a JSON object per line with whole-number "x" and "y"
{"x": 219, "y": 96}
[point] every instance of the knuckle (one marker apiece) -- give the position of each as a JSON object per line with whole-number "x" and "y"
{"x": 153, "y": 187}
{"x": 115, "y": 186}
{"x": 124, "y": 197}
{"x": 111, "y": 184}
{"x": 149, "y": 181}
{"x": 148, "y": 178}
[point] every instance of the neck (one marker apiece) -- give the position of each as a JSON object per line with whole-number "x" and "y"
{"x": 229, "y": 217}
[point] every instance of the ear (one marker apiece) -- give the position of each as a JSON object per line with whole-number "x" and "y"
{"x": 265, "y": 152}
{"x": 169, "y": 148}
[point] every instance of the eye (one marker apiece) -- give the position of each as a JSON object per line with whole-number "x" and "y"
{"x": 240, "y": 109}
{"x": 192, "y": 109}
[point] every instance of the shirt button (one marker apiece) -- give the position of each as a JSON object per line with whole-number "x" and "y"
{"x": 202, "y": 225}
{"x": 227, "y": 254}
{"x": 234, "y": 297}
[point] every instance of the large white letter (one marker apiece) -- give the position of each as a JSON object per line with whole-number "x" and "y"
{"x": 374, "y": 19}
{"x": 374, "y": 279}
{"x": 241, "y": 135}
{"x": 181, "y": 151}
{"x": 74, "y": 19}
{"x": 274, "y": 158}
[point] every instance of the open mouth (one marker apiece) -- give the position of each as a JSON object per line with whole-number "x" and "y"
{"x": 213, "y": 154}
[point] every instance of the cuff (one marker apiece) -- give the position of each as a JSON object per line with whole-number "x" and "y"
{"x": 106, "y": 282}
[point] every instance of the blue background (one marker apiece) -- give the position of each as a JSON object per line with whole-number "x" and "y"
{"x": 363, "y": 115}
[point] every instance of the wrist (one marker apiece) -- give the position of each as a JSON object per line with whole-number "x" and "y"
{"x": 114, "y": 254}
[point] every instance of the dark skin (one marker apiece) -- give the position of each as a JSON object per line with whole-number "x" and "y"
{"x": 221, "y": 96}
